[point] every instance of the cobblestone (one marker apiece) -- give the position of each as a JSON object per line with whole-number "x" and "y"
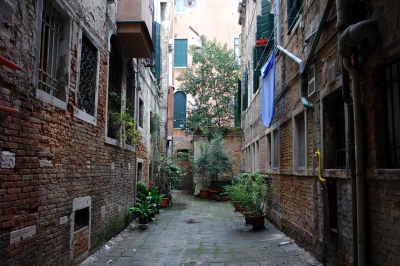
{"x": 202, "y": 232}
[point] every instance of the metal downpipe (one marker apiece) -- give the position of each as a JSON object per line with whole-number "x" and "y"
{"x": 360, "y": 178}
{"x": 301, "y": 63}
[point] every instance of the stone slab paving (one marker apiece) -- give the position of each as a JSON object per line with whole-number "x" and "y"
{"x": 200, "y": 232}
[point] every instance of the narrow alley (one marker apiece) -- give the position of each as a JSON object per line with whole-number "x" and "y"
{"x": 198, "y": 231}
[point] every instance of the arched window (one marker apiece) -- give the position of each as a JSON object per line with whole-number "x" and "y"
{"x": 179, "y": 108}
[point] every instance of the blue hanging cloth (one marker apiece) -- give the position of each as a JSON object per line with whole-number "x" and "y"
{"x": 268, "y": 90}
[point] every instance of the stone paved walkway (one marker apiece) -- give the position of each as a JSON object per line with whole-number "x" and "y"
{"x": 198, "y": 231}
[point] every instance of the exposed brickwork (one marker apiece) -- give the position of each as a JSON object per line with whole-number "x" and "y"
{"x": 58, "y": 156}
{"x": 297, "y": 207}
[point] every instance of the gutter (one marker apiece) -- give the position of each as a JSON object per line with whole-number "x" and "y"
{"x": 350, "y": 35}
{"x": 304, "y": 66}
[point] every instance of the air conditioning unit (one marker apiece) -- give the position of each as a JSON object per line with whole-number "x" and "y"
{"x": 332, "y": 72}
{"x": 311, "y": 80}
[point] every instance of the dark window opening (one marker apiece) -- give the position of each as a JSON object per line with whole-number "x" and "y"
{"x": 152, "y": 127}
{"x": 334, "y": 132}
{"x": 87, "y": 77}
{"x": 141, "y": 107}
{"x": 130, "y": 90}
{"x": 301, "y": 141}
{"x": 183, "y": 155}
{"x": 81, "y": 218}
{"x": 332, "y": 203}
{"x": 391, "y": 87}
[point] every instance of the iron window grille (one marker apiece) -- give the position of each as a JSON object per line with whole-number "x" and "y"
{"x": 49, "y": 57}
{"x": 87, "y": 77}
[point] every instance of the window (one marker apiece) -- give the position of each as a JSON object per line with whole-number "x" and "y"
{"x": 141, "y": 114}
{"x": 179, "y": 109}
{"x": 294, "y": 9}
{"x": 53, "y": 71}
{"x": 139, "y": 171}
{"x": 183, "y": 155}
{"x": 179, "y": 7}
{"x": 114, "y": 89}
{"x": 311, "y": 80}
{"x": 81, "y": 218}
{"x": 392, "y": 84}
{"x": 299, "y": 145}
{"x": 275, "y": 149}
{"x": 130, "y": 90}
{"x": 236, "y": 49}
{"x": 87, "y": 86}
{"x": 180, "y": 52}
{"x": 334, "y": 133}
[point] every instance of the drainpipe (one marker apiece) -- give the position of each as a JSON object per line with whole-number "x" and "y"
{"x": 303, "y": 66}
{"x": 350, "y": 35}
{"x": 136, "y": 124}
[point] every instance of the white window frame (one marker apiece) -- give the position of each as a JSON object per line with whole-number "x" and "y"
{"x": 311, "y": 81}
{"x": 61, "y": 50}
{"x": 274, "y": 150}
{"x": 180, "y": 8}
{"x": 81, "y": 114}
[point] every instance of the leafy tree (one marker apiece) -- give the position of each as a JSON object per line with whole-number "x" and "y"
{"x": 211, "y": 81}
{"x": 212, "y": 161}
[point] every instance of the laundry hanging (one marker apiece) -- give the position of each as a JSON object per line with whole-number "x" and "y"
{"x": 268, "y": 90}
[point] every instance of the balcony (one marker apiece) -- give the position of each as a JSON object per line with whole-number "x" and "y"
{"x": 134, "y": 26}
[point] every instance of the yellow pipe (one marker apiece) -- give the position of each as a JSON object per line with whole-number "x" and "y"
{"x": 319, "y": 167}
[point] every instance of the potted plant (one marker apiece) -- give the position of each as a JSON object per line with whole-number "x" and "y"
{"x": 211, "y": 163}
{"x": 143, "y": 210}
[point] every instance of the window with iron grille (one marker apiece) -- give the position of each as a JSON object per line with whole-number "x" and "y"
{"x": 391, "y": 87}
{"x": 87, "y": 77}
{"x": 54, "y": 50}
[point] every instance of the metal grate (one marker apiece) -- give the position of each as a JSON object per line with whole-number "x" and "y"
{"x": 49, "y": 50}
{"x": 392, "y": 74}
{"x": 87, "y": 77}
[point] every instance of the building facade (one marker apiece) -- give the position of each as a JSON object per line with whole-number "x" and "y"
{"x": 73, "y": 76}
{"x": 214, "y": 20}
{"x": 335, "y": 92}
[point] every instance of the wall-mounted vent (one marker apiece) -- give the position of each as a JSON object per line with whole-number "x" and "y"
{"x": 311, "y": 80}
{"x": 332, "y": 72}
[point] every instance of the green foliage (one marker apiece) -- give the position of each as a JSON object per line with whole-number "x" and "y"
{"x": 169, "y": 173}
{"x": 212, "y": 161}
{"x": 253, "y": 190}
{"x": 211, "y": 81}
{"x": 143, "y": 209}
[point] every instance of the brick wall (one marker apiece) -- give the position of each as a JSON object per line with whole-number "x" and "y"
{"x": 49, "y": 157}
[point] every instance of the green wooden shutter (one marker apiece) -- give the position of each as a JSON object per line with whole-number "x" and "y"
{"x": 238, "y": 110}
{"x": 157, "y": 48}
{"x": 293, "y": 8}
{"x": 180, "y": 52}
{"x": 179, "y": 108}
{"x": 245, "y": 91}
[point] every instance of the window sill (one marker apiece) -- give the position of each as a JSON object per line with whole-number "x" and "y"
{"x": 47, "y": 98}
{"x": 335, "y": 173}
{"x": 300, "y": 172}
{"x": 383, "y": 174}
{"x": 111, "y": 141}
{"x": 84, "y": 116}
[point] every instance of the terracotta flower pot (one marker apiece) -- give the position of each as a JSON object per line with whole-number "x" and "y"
{"x": 164, "y": 202}
{"x": 257, "y": 221}
{"x": 213, "y": 193}
{"x": 204, "y": 193}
